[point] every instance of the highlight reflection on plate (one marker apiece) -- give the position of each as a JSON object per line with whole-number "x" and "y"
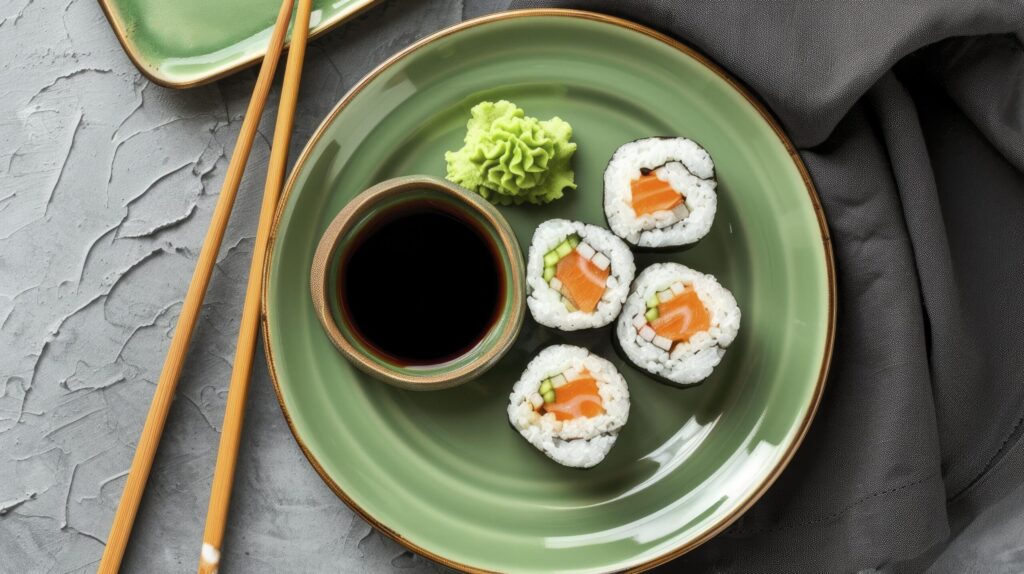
{"x": 443, "y": 472}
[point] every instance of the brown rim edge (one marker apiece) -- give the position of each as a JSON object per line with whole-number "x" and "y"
{"x": 154, "y": 76}
{"x": 819, "y": 388}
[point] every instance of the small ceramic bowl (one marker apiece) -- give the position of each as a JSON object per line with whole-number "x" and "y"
{"x": 363, "y": 211}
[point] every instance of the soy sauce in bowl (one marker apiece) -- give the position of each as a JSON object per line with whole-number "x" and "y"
{"x": 421, "y": 284}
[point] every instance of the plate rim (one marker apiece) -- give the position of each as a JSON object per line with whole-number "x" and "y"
{"x": 160, "y": 79}
{"x": 740, "y": 88}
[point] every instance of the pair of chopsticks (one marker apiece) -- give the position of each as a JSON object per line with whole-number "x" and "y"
{"x": 227, "y": 454}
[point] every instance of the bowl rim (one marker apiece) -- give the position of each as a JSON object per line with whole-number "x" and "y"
{"x": 513, "y": 311}
{"x": 755, "y": 103}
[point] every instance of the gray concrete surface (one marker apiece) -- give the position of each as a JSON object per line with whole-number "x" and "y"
{"x": 107, "y": 183}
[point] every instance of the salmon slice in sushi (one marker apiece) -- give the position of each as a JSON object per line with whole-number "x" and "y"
{"x": 570, "y": 404}
{"x": 578, "y": 274}
{"x": 659, "y": 193}
{"x": 677, "y": 323}
{"x": 583, "y": 282}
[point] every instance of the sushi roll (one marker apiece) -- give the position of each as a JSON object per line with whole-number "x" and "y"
{"x": 659, "y": 193}
{"x": 677, "y": 323}
{"x": 578, "y": 275}
{"x": 570, "y": 404}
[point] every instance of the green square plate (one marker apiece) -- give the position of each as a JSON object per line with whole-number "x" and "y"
{"x": 186, "y": 43}
{"x": 443, "y": 472}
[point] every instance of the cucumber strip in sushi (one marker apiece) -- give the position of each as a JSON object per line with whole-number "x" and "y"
{"x": 570, "y": 404}
{"x": 677, "y": 323}
{"x": 660, "y": 192}
{"x": 578, "y": 275}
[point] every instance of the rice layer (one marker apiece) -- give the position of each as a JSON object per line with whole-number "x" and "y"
{"x": 688, "y": 362}
{"x": 682, "y": 163}
{"x": 547, "y": 304}
{"x": 580, "y": 442}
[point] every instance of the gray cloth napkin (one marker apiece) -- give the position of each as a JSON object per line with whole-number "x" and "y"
{"x": 910, "y": 118}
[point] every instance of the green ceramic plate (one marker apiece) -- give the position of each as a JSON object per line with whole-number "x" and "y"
{"x": 443, "y": 472}
{"x": 185, "y": 43}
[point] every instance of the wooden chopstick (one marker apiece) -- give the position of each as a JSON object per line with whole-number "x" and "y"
{"x": 234, "y": 414}
{"x": 142, "y": 463}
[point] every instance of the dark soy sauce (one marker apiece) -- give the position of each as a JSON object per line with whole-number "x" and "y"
{"x": 421, "y": 285}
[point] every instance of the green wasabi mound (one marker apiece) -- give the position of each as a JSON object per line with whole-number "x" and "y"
{"x": 510, "y": 158}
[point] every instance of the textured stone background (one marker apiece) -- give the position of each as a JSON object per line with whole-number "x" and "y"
{"x": 107, "y": 183}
